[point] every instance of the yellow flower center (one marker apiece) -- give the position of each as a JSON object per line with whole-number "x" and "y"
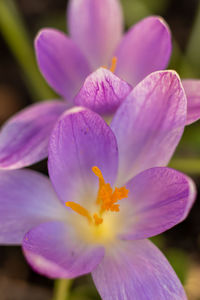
{"x": 113, "y": 64}
{"x": 107, "y": 200}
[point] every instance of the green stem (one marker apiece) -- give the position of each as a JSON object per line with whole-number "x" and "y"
{"x": 16, "y": 36}
{"x": 61, "y": 291}
{"x": 186, "y": 165}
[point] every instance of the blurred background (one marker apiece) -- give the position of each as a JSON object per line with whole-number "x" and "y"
{"x": 21, "y": 84}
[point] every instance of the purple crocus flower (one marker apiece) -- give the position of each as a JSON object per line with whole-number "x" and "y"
{"x": 109, "y": 198}
{"x": 24, "y": 137}
{"x": 66, "y": 61}
{"x": 95, "y": 38}
{"x": 96, "y": 29}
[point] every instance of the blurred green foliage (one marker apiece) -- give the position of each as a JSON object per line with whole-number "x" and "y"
{"x": 17, "y": 37}
{"x": 180, "y": 262}
{"x": 135, "y": 10}
{"x": 192, "y": 52}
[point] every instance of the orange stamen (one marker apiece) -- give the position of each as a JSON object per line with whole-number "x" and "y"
{"x": 79, "y": 209}
{"x": 98, "y": 220}
{"x": 98, "y": 173}
{"x": 106, "y": 198}
{"x": 113, "y": 64}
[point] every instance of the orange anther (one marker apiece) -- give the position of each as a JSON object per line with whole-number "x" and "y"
{"x": 113, "y": 64}
{"x": 79, "y": 209}
{"x": 106, "y": 199}
{"x": 98, "y": 220}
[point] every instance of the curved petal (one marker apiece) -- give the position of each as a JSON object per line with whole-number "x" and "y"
{"x": 61, "y": 62}
{"x": 139, "y": 271}
{"x": 24, "y": 138}
{"x": 149, "y": 123}
{"x": 27, "y": 199}
{"x": 159, "y": 198}
{"x": 192, "y": 90}
{"x": 92, "y": 24}
{"x": 54, "y": 251}
{"x": 145, "y": 48}
{"x": 102, "y": 92}
{"x": 80, "y": 140}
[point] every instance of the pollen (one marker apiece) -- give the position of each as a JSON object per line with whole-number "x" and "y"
{"x": 107, "y": 200}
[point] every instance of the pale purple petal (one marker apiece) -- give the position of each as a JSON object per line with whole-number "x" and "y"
{"x": 149, "y": 123}
{"x": 80, "y": 140}
{"x": 61, "y": 62}
{"x": 159, "y": 198}
{"x": 137, "y": 270}
{"x": 145, "y": 48}
{"x": 24, "y": 138}
{"x": 102, "y": 92}
{"x": 27, "y": 199}
{"x": 96, "y": 26}
{"x": 192, "y": 90}
{"x": 53, "y": 250}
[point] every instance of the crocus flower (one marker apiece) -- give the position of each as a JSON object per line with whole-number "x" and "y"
{"x": 66, "y": 61}
{"x": 96, "y": 39}
{"x": 108, "y": 199}
{"x": 24, "y": 137}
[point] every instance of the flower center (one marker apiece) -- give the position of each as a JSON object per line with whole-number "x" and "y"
{"x": 113, "y": 64}
{"x": 106, "y": 200}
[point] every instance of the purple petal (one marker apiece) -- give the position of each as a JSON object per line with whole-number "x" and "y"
{"x": 61, "y": 62}
{"x": 96, "y": 26}
{"x": 53, "y": 250}
{"x": 27, "y": 199}
{"x": 149, "y": 123}
{"x": 80, "y": 140}
{"x": 159, "y": 198}
{"x": 145, "y": 48}
{"x": 139, "y": 271}
{"x": 24, "y": 138}
{"x": 192, "y": 90}
{"x": 102, "y": 92}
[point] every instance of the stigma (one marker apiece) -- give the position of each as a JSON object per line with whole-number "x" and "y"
{"x": 106, "y": 200}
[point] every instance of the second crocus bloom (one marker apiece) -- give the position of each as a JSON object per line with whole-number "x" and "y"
{"x": 95, "y": 38}
{"x": 65, "y": 62}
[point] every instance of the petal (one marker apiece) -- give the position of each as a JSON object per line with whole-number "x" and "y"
{"x": 27, "y": 199}
{"x": 159, "y": 198}
{"x": 145, "y": 48}
{"x": 24, "y": 138}
{"x": 80, "y": 140}
{"x": 139, "y": 271}
{"x": 149, "y": 123}
{"x": 61, "y": 62}
{"x": 102, "y": 92}
{"x": 96, "y": 26}
{"x": 53, "y": 250}
{"x": 192, "y": 90}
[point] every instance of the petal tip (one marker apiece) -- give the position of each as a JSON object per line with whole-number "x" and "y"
{"x": 192, "y": 192}
{"x": 41, "y": 34}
